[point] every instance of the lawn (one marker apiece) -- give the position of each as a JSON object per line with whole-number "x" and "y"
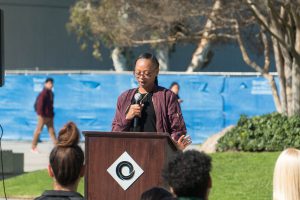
{"x": 246, "y": 176}
{"x": 235, "y": 176}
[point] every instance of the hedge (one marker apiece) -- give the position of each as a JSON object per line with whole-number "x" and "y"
{"x": 270, "y": 132}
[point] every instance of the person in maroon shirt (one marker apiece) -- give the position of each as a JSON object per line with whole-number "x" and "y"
{"x": 157, "y": 109}
{"x": 45, "y": 113}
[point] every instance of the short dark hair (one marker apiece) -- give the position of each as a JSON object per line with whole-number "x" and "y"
{"x": 49, "y": 80}
{"x": 66, "y": 158}
{"x": 189, "y": 174}
{"x": 155, "y": 193}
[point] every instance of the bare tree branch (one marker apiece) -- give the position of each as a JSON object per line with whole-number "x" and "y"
{"x": 257, "y": 68}
{"x": 266, "y": 51}
{"x": 263, "y": 20}
{"x": 246, "y": 58}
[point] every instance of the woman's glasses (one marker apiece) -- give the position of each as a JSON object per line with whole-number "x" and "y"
{"x": 146, "y": 74}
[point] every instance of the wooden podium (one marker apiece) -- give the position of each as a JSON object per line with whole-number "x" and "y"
{"x": 150, "y": 151}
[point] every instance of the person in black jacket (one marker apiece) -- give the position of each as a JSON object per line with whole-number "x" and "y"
{"x": 66, "y": 166}
{"x": 44, "y": 109}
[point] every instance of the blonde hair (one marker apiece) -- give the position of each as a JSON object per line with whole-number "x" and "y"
{"x": 286, "y": 179}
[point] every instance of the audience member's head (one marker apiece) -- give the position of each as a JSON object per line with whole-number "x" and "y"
{"x": 174, "y": 87}
{"x": 286, "y": 179}
{"x": 156, "y": 193}
{"x": 188, "y": 174}
{"x": 67, "y": 158}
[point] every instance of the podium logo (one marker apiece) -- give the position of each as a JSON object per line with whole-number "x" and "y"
{"x": 125, "y": 171}
{"x": 119, "y": 170}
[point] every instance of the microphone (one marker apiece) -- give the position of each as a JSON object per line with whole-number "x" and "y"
{"x": 137, "y": 98}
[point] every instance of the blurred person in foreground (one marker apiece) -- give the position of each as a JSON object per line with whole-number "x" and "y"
{"x": 45, "y": 114}
{"x": 66, "y": 166}
{"x": 156, "y": 193}
{"x": 286, "y": 178}
{"x": 188, "y": 175}
{"x": 174, "y": 87}
{"x": 150, "y": 107}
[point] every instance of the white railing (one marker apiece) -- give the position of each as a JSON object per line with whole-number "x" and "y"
{"x": 130, "y": 72}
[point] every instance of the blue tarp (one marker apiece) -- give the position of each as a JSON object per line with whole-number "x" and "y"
{"x": 211, "y": 103}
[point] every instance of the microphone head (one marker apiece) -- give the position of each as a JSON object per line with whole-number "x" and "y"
{"x": 137, "y": 97}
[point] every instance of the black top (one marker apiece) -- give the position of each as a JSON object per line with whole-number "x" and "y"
{"x": 147, "y": 122}
{"x": 60, "y": 195}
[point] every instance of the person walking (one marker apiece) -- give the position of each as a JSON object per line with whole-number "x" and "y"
{"x": 45, "y": 114}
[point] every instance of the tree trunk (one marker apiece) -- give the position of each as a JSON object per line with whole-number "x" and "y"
{"x": 296, "y": 70}
{"x": 200, "y": 56}
{"x": 294, "y": 39}
{"x": 281, "y": 76}
{"x": 296, "y": 88}
{"x": 119, "y": 60}
{"x": 274, "y": 90}
{"x": 287, "y": 65}
{"x": 288, "y": 84}
{"x": 162, "y": 53}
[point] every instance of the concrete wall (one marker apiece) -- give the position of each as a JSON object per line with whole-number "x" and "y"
{"x": 36, "y": 38}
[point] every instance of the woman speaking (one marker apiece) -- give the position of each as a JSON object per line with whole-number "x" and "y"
{"x": 150, "y": 108}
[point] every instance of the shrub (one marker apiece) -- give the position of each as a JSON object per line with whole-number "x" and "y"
{"x": 270, "y": 132}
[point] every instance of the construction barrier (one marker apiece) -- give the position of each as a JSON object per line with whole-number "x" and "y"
{"x": 210, "y": 102}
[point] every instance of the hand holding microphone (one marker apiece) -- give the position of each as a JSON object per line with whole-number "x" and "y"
{"x": 135, "y": 110}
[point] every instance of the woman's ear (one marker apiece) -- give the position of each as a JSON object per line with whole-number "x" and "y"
{"x": 82, "y": 171}
{"x": 50, "y": 171}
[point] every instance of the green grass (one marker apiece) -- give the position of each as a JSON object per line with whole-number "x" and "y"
{"x": 235, "y": 176}
{"x": 30, "y": 184}
{"x": 243, "y": 176}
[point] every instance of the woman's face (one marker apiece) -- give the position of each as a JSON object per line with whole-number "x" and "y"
{"x": 145, "y": 73}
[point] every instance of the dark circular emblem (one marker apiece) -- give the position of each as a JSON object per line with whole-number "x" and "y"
{"x": 120, "y": 167}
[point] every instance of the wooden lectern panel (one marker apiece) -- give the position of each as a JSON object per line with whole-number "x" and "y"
{"x": 151, "y": 151}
